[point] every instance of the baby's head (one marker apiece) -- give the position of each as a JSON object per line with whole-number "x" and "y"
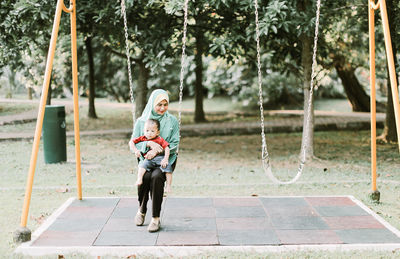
{"x": 151, "y": 128}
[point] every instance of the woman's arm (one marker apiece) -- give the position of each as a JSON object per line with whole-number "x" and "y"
{"x": 173, "y": 138}
{"x": 138, "y": 131}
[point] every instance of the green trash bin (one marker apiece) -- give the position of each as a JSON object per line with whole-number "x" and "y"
{"x": 54, "y": 136}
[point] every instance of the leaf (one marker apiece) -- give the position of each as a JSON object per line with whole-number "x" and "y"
{"x": 274, "y": 29}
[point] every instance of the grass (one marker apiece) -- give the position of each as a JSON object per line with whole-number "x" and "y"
{"x": 12, "y": 108}
{"x": 120, "y": 116}
{"x": 339, "y": 105}
{"x": 207, "y": 166}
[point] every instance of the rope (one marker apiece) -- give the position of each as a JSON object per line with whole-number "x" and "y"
{"x": 128, "y": 60}
{"x": 264, "y": 155}
{"x": 185, "y": 21}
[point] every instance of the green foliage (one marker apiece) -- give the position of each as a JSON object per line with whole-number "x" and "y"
{"x": 155, "y": 33}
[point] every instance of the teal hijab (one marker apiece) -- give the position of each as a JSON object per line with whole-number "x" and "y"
{"x": 149, "y": 113}
{"x": 169, "y": 126}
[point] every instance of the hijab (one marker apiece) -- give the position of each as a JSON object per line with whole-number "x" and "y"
{"x": 156, "y": 97}
{"x": 166, "y": 122}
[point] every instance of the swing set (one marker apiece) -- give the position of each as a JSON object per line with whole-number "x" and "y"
{"x": 24, "y": 234}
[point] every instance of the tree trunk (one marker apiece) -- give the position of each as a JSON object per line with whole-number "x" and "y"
{"x": 30, "y": 93}
{"x": 307, "y": 140}
{"x": 141, "y": 89}
{"x": 389, "y": 133}
{"x": 356, "y": 94}
{"x": 91, "y": 92}
{"x": 199, "y": 115}
{"x": 308, "y": 123}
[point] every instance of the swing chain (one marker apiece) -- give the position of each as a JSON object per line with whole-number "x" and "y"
{"x": 123, "y": 11}
{"x": 264, "y": 152}
{"x": 185, "y": 22}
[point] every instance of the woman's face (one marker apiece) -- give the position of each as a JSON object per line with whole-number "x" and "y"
{"x": 161, "y": 107}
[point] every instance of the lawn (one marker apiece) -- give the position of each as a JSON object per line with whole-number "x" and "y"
{"x": 208, "y": 166}
{"x": 12, "y": 108}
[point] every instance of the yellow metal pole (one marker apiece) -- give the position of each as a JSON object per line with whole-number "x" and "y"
{"x": 392, "y": 70}
{"x": 76, "y": 99}
{"x": 39, "y": 123}
{"x": 371, "y": 20}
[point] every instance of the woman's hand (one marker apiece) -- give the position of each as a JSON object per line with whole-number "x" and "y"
{"x": 151, "y": 154}
{"x": 155, "y": 147}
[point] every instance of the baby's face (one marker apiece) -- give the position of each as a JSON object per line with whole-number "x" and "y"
{"x": 150, "y": 130}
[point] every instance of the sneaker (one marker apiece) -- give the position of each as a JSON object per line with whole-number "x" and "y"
{"x": 154, "y": 225}
{"x": 139, "y": 218}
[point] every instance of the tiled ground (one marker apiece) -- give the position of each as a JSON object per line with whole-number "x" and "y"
{"x": 218, "y": 221}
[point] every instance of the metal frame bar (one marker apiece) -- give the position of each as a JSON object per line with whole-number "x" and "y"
{"x": 45, "y": 87}
{"x": 381, "y": 4}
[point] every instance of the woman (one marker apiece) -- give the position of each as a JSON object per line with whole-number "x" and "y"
{"x": 153, "y": 181}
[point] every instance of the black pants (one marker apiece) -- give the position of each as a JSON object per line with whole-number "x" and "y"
{"x": 153, "y": 183}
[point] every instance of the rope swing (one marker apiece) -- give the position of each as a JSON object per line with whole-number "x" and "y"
{"x": 264, "y": 150}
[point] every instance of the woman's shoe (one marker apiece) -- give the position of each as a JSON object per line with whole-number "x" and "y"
{"x": 139, "y": 218}
{"x": 154, "y": 225}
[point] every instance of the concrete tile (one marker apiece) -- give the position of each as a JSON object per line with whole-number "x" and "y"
{"x": 243, "y": 223}
{"x": 126, "y": 238}
{"x": 298, "y": 223}
{"x": 187, "y": 238}
{"x": 251, "y": 237}
{"x": 352, "y": 222}
{"x": 62, "y": 238}
{"x": 123, "y": 224}
{"x": 188, "y": 202}
{"x": 239, "y": 212}
{"x": 86, "y": 212}
{"x": 237, "y": 202}
{"x": 368, "y": 236}
{"x": 340, "y": 211}
{"x": 330, "y": 201}
{"x": 128, "y": 202}
{"x": 95, "y": 202}
{"x": 213, "y": 221}
{"x": 188, "y": 224}
{"x": 292, "y": 211}
{"x": 194, "y": 212}
{"x": 78, "y": 225}
{"x": 297, "y": 237}
{"x": 283, "y": 202}
{"x": 124, "y": 212}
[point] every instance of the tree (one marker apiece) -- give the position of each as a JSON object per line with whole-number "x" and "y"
{"x": 344, "y": 48}
{"x": 389, "y": 133}
{"x": 95, "y": 20}
{"x": 150, "y": 31}
{"x": 22, "y": 33}
{"x": 214, "y": 28}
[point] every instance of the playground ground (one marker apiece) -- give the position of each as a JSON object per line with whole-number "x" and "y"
{"x": 209, "y": 166}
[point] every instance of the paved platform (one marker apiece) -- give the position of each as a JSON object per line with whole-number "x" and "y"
{"x": 106, "y": 225}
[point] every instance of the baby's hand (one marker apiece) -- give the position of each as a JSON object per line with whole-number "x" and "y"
{"x": 164, "y": 162}
{"x": 137, "y": 153}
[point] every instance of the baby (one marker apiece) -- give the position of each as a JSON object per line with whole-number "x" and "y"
{"x": 151, "y": 133}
